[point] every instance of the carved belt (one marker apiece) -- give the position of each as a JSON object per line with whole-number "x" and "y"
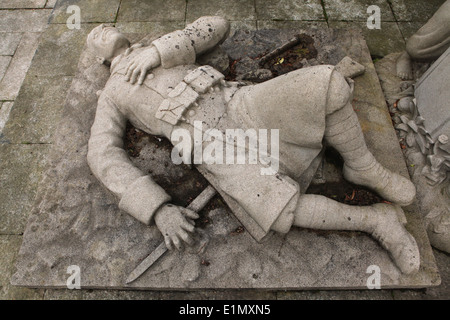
{"x": 186, "y": 93}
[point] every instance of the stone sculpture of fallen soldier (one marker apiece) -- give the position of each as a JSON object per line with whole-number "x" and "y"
{"x": 159, "y": 89}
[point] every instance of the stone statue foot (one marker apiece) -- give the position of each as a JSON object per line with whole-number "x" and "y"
{"x": 438, "y": 228}
{"x": 404, "y": 67}
{"x": 393, "y": 237}
{"x": 391, "y": 186}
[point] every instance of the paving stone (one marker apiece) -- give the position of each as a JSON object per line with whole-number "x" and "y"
{"x": 289, "y": 10}
{"x": 356, "y": 10}
{"x": 441, "y": 292}
{"x": 409, "y": 28}
{"x": 150, "y": 30}
{"x": 155, "y": 10}
{"x": 5, "y": 109}
{"x": 37, "y": 110}
{"x": 407, "y": 10}
{"x": 59, "y": 50}
{"x": 381, "y": 42}
{"x": 9, "y": 42}
{"x": 20, "y": 172}
{"x": 232, "y": 9}
{"x": 17, "y": 70}
{"x": 220, "y": 295}
{"x": 337, "y": 295}
{"x": 9, "y": 247}
{"x": 50, "y": 3}
{"x": 242, "y": 25}
{"x": 280, "y": 24}
{"x": 24, "y": 20}
{"x": 104, "y": 242}
{"x": 90, "y": 11}
{"x": 20, "y": 4}
{"x": 4, "y": 63}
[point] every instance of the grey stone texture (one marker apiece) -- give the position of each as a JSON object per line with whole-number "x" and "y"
{"x": 19, "y": 185}
{"x": 22, "y": 4}
{"x": 157, "y": 10}
{"x": 405, "y": 10}
{"x": 433, "y": 97}
{"x": 89, "y": 11}
{"x": 18, "y": 66}
{"x": 4, "y": 63}
{"x": 9, "y": 42}
{"x": 104, "y": 244}
{"x": 413, "y": 13}
{"x": 380, "y": 41}
{"x": 353, "y": 10}
{"x": 231, "y": 10}
{"x": 24, "y": 20}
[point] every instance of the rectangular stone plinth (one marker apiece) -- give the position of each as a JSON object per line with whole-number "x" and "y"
{"x": 76, "y": 221}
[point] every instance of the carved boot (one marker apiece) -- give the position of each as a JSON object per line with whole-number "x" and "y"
{"x": 343, "y": 132}
{"x": 392, "y": 235}
{"x": 383, "y": 221}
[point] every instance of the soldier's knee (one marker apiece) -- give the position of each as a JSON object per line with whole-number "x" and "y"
{"x": 339, "y": 93}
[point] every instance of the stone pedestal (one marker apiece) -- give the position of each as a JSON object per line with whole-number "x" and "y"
{"x": 75, "y": 220}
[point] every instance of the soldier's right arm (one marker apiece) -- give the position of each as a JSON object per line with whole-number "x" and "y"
{"x": 139, "y": 195}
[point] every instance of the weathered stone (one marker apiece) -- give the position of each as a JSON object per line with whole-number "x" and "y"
{"x": 356, "y": 10}
{"x": 409, "y": 28}
{"x": 9, "y": 42}
{"x": 59, "y": 51}
{"x": 150, "y": 30}
{"x": 9, "y": 247}
{"x": 288, "y": 24}
{"x": 103, "y": 241}
{"x": 37, "y": 112}
{"x": 231, "y": 10}
{"x": 4, "y": 115}
{"x": 4, "y": 63}
{"x": 89, "y": 11}
{"x": 404, "y": 10}
{"x": 21, "y": 183}
{"x": 22, "y": 4}
{"x": 333, "y": 295}
{"x": 433, "y": 97}
{"x": 289, "y": 10}
{"x": 24, "y": 20}
{"x": 16, "y": 72}
{"x": 159, "y": 10}
{"x": 50, "y": 3}
{"x": 380, "y": 41}
{"x": 350, "y": 68}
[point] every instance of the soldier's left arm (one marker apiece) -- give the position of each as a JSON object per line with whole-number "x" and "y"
{"x": 183, "y": 46}
{"x": 180, "y": 47}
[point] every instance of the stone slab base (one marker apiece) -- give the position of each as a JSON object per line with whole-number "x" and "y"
{"x": 75, "y": 220}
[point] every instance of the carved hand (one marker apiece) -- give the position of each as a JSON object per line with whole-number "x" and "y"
{"x": 175, "y": 223}
{"x": 140, "y": 65}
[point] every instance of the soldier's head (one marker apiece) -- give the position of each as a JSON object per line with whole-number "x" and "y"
{"x": 106, "y": 43}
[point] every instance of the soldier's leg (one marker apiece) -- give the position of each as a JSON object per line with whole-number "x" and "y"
{"x": 429, "y": 43}
{"x": 384, "y": 222}
{"x": 343, "y": 132}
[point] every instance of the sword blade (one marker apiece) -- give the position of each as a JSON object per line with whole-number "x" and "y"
{"x": 196, "y": 205}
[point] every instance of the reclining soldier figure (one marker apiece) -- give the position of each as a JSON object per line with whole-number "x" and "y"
{"x": 159, "y": 88}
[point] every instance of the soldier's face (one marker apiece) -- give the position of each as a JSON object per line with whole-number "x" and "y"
{"x": 106, "y": 41}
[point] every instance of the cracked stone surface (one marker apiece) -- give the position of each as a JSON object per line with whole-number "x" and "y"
{"x": 75, "y": 221}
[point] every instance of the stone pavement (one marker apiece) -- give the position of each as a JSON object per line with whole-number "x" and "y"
{"x": 38, "y": 60}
